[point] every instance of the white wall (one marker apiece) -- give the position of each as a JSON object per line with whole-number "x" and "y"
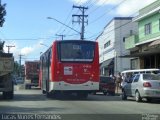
{"x": 115, "y": 31}
{"x": 122, "y": 29}
{"x": 107, "y": 35}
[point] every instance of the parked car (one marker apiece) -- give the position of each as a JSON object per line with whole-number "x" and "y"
{"x": 19, "y": 80}
{"x": 128, "y": 73}
{"x": 106, "y": 85}
{"x": 144, "y": 85}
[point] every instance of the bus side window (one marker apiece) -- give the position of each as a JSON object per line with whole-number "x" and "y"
{"x": 142, "y": 72}
{"x": 148, "y": 72}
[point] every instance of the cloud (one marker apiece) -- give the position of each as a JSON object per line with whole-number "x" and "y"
{"x": 130, "y": 7}
{"x": 30, "y": 49}
{"x": 27, "y": 50}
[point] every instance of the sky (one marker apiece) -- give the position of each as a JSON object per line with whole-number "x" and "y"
{"x": 27, "y": 28}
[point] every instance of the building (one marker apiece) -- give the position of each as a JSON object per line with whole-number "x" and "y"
{"x": 145, "y": 46}
{"x": 112, "y": 45}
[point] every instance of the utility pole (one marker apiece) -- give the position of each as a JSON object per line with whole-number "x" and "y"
{"x": 9, "y": 46}
{"x": 81, "y": 19}
{"x": 20, "y": 58}
{"x": 62, "y": 36}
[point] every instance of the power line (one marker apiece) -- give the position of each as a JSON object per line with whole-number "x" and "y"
{"x": 102, "y": 15}
{"x": 114, "y": 29}
{"x": 107, "y": 12}
{"x": 65, "y": 20}
{"x": 63, "y": 24}
{"x": 69, "y": 22}
{"x": 88, "y": 3}
{"x": 25, "y": 39}
{"x": 95, "y": 35}
{"x": 96, "y": 7}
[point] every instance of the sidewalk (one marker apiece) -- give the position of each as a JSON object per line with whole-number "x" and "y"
{"x": 119, "y": 92}
{"x": 19, "y": 87}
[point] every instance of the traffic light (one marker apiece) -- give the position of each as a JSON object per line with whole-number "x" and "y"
{"x": 2, "y": 14}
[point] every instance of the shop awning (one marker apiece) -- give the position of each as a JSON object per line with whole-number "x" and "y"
{"x": 107, "y": 62}
{"x": 154, "y": 43}
{"x": 144, "y": 53}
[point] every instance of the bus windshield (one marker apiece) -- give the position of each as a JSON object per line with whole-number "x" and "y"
{"x": 76, "y": 51}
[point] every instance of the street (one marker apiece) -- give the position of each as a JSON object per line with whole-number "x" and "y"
{"x": 34, "y": 102}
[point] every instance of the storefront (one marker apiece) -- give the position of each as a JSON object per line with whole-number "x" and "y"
{"x": 148, "y": 54}
{"x": 107, "y": 67}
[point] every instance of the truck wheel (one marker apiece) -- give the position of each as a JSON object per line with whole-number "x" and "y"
{"x": 8, "y": 95}
{"x": 5, "y": 95}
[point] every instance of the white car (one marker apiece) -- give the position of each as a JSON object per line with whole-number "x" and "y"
{"x": 19, "y": 80}
{"x": 142, "y": 86}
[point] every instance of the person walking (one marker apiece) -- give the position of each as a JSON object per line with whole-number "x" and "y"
{"x": 123, "y": 80}
{"x": 118, "y": 81}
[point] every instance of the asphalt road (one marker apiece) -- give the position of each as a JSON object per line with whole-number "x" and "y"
{"x": 34, "y": 102}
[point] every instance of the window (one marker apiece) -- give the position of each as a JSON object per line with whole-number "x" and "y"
{"x": 148, "y": 29}
{"x": 131, "y": 79}
{"x": 124, "y": 39}
{"x": 136, "y": 78}
{"x": 107, "y": 44}
{"x": 76, "y": 51}
{"x": 151, "y": 77}
{"x": 131, "y": 32}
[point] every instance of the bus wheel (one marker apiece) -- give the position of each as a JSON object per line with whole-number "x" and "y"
{"x": 48, "y": 94}
{"x": 43, "y": 92}
{"x": 82, "y": 95}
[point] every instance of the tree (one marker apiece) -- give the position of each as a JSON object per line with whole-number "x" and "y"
{"x": 16, "y": 68}
{"x": 2, "y": 14}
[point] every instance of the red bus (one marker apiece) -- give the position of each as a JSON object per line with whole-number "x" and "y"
{"x": 70, "y": 66}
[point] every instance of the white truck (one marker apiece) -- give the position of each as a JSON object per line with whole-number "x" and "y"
{"x": 6, "y": 69}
